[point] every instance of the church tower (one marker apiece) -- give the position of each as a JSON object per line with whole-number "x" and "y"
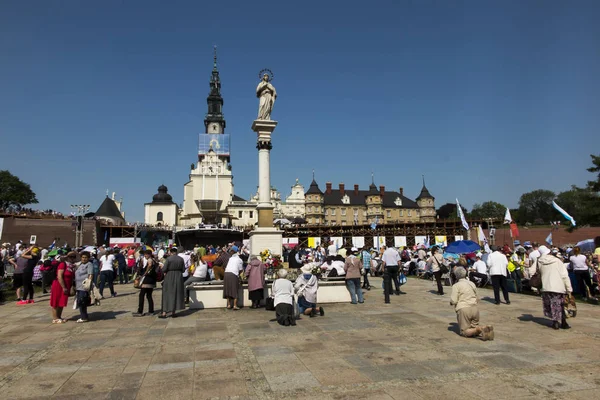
{"x": 210, "y": 187}
{"x": 426, "y": 203}
{"x": 214, "y": 121}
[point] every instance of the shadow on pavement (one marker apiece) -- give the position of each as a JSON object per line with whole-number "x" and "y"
{"x": 103, "y": 315}
{"x": 537, "y": 320}
{"x": 453, "y": 327}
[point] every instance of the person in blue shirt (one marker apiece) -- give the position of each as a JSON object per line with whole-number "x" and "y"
{"x": 365, "y": 256}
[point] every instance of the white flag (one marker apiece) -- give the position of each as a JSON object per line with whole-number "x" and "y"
{"x": 507, "y": 217}
{"x": 563, "y": 212}
{"x": 461, "y": 215}
{"x": 480, "y": 236}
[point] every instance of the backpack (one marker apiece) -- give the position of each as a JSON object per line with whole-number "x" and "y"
{"x": 160, "y": 275}
{"x": 49, "y": 269}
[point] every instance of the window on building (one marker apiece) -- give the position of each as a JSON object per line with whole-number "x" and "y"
{"x": 402, "y": 213}
{"x": 343, "y": 211}
{"x": 251, "y": 214}
{"x": 343, "y": 222}
{"x": 240, "y": 214}
{"x": 317, "y": 221}
{"x": 326, "y": 211}
{"x": 409, "y": 213}
{"x": 159, "y": 216}
{"x": 364, "y": 213}
{"x": 333, "y": 211}
{"x": 389, "y": 214}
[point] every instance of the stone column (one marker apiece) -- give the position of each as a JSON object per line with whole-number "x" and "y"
{"x": 264, "y": 129}
{"x": 265, "y": 236}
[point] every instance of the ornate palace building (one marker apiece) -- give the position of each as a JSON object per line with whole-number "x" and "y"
{"x": 354, "y": 206}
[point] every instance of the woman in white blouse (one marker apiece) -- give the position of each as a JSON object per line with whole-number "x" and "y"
{"x": 283, "y": 292}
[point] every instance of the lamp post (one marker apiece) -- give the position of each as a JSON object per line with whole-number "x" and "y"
{"x": 79, "y": 210}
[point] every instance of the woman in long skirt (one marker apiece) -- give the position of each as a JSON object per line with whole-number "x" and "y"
{"x": 555, "y": 284}
{"x": 231, "y": 280}
{"x": 255, "y": 272}
{"x": 173, "y": 298}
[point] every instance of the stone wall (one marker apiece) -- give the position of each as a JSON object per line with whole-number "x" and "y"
{"x": 47, "y": 230}
{"x": 559, "y": 236}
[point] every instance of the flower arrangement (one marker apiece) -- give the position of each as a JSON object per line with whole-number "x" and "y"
{"x": 272, "y": 260}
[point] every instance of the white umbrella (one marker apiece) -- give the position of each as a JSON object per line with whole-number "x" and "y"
{"x": 586, "y": 246}
{"x": 282, "y": 221}
{"x": 89, "y": 248}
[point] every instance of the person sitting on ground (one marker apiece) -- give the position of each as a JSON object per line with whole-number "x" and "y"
{"x": 464, "y": 299}
{"x": 199, "y": 275}
{"x": 306, "y": 287}
{"x": 334, "y": 266}
{"x": 478, "y": 272}
{"x": 283, "y": 292}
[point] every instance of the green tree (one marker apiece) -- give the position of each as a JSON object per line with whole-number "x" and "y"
{"x": 580, "y": 203}
{"x": 14, "y": 193}
{"x": 488, "y": 209}
{"x": 536, "y": 206}
{"x": 448, "y": 211}
{"x": 595, "y": 185}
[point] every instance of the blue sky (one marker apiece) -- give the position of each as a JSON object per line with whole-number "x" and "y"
{"x": 488, "y": 99}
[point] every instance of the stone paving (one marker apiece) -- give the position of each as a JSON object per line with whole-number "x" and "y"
{"x": 406, "y": 350}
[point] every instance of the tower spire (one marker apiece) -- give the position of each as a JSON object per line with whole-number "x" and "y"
{"x": 215, "y": 57}
{"x": 372, "y": 178}
{"x": 423, "y": 180}
{"x": 214, "y": 121}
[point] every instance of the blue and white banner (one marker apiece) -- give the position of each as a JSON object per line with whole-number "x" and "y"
{"x": 563, "y": 212}
{"x": 461, "y": 215}
{"x": 549, "y": 239}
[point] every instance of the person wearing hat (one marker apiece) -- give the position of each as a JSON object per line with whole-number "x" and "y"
{"x": 555, "y": 285}
{"x": 352, "y": 267}
{"x": 306, "y": 287}
{"x": 32, "y": 255}
{"x": 498, "y": 264}
{"x": 464, "y": 299}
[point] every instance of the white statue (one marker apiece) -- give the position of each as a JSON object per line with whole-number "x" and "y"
{"x": 267, "y": 95}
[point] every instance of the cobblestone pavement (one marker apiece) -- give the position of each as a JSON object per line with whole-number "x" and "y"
{"x": 406, "y": 350}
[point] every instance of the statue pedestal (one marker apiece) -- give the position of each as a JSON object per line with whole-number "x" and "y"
{"x": 263, "y": 238}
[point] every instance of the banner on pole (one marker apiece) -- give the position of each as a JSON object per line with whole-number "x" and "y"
{"x": 399, "y": 241}
{"x": 358, "y": 241}
{"x": 421, "y": 240}
{"x": 313, "y": 242}
{"x": 441, "y": 241}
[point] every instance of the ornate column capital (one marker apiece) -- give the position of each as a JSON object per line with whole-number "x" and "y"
{"x": 264, "y": 145}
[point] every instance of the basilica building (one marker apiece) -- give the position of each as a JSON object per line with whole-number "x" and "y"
{"x": 209, "y": 199}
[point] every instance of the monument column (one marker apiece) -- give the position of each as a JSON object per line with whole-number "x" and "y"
{"x": 265, "y": 236}
{"x": 264, "y": 129}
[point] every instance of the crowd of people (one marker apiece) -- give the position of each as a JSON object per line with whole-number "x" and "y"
{"x": 84, "y": 275}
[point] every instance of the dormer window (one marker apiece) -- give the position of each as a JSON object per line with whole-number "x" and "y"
{"x": 398, "y": 201}
{"x": 346, "y": 199}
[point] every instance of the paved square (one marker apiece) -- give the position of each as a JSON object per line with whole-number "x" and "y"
{"x": 406, "y": 350}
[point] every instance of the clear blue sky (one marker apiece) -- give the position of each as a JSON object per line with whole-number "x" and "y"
{"x": 488, "y": 99}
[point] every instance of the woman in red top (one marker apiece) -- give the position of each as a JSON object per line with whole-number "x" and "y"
{"x": 61, "y": 287}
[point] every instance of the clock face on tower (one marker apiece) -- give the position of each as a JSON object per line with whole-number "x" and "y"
{"x": 214, "y": 128}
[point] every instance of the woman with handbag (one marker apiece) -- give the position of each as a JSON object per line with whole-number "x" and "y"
{"x": 62, "y": 287}
{"x": 84, "y": 271}
{"x": 555, "y": 286}
{"x": 146, "y": 282}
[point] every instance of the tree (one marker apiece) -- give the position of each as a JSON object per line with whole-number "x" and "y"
{"x": 448, "y": 211}
{"x": 580, "y": 203}
{"x": 488, "y": 209}
{"x": 595, "y": 185}
{"x": 14, "y": 193}
{"x": 536, "y": 206}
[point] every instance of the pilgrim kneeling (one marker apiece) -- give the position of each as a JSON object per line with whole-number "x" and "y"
{"x": 464, "y": 299}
